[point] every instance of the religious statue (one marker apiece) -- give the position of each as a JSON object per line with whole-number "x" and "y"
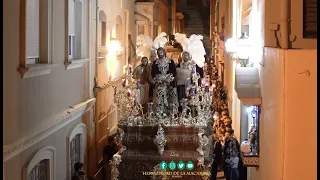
{"x": 183, "y": 73}
{"x": 142, "y": 78}
{"x": 252, "y": 138}
{"x": 153, "y": 57}
{"x": 164, "y": 73}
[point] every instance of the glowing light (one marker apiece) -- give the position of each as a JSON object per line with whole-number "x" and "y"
{"x": 253, "y": 115}
{"x": 230, "y": 45}
{"x": 113, "y": 33}
{"x": 249, "y": 109}
{"x": 114, "y": 48}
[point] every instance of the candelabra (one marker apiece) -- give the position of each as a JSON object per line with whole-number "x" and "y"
{"x": 203, "y": 142}
{"x": 196, "y": 108}
{"x": 128, "y": 100}
{"x": 114, "y": 163}
{"x": 200, "y": 97}
{"x": 160, "y": 140}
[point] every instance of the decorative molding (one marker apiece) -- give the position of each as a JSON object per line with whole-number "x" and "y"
{"x": 72, "y": 64}
{"x": 69, "y": 115}
{"x": 48, "y": 153}
{"x": 79, "y": 129}
{"x": 251, "y": 101}
{"x": 99, "y": 88}
{"x": 250, "y": 160}
{"x": 144, "y": 3}
{"x": 163, "y": 6}
{"x": 139, "y": 22}
{"x": 32, "y": 70}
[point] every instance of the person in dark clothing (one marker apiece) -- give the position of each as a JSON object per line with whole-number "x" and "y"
{"x": 77, "y": 168}
{"x": 217, "y": 151}
{"x": 184, "y": 68}
{"x": 108, "y": 151}
{"x": 226, "y": 155}
{"x": 153, "y": 57}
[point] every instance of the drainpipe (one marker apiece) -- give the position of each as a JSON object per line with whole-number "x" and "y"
{"x": 97, "y": 44}
{"x": 284, "y": 24}
{"x": 96, "y": 77}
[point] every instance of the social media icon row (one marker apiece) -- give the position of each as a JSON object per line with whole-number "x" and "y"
{"x": 180, "y": 165}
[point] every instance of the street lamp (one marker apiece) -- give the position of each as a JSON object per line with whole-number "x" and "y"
{"x": 240, "y": 47}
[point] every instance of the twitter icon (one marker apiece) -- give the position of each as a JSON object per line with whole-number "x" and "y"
{"x": 181, "y": 165}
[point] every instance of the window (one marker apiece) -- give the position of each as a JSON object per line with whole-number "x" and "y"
{"x": 35, "y": 38}
{"x": 140, "y": 29}
{"x": 42, "y": 166}
{"x": 303, "y": 24}
{"x": 76, "y": 147}
{"x": 309, "y": 18}
{"x": 33, "y": 32}
{"x": 71, "y": 45}
{"x": 37, "y": 24}
{"x": 103, "y": 33}
{"x": 119, "y": 28}
{"x": 40, "y": 171}
{"x": 74, "y": 152}
{"x": 77, "y": 29}
{"x": 250, "y": 128}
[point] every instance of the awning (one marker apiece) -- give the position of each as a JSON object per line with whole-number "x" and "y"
{"x": 247, "y": 85}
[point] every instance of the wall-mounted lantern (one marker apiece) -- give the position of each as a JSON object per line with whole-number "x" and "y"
{"x": 239, "y": 48}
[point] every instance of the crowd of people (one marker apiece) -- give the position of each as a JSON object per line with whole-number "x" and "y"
{"x": 227, "y": 157}
{"x": 110, "y": 149}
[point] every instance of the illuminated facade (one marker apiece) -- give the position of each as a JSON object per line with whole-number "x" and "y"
{"x": 61, "y": 52}
{"x": 280, "y": 78}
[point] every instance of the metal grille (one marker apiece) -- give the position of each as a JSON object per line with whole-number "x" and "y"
{"x": 74, "y": 152}
{"x": 309, "y": 18}
{"x": 40, "y": 171}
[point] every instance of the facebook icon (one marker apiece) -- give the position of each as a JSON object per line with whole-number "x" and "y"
{"x": 163, "y": 165}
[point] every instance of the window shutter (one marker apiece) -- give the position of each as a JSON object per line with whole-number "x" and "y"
{"x": 310, "y": 18}
{"x": 32, "y": 28}
{"x": 71, "y": 12}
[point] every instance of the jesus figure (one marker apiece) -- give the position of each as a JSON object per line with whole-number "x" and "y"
{"x": 164, "y": 73}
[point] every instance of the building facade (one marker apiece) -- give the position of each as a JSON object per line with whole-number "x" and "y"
{"x": 64, "y": 58}
{"x": 283, "y": 52}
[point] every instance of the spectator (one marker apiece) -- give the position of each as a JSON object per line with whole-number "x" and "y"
{"x": 233, "y": 162}
{"x": 82, "y": 175}
{"x": 77, "y": 168}
{"x": 108, "y": 151}
{"x": 217, "y": 151}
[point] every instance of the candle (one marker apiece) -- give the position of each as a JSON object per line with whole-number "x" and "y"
{"x": 207, "y": 80}
{"x": 193, "y": 68}
{"x": 150, "y": 107}
{"x": 210, "y": 90}
{"x": 188, "y": 83}
{"x": 130, "y": 70}
{"x": 205, "y": 68}
{"x": 124, "y": 82}
{"x": 203, "y": 82}
{"x": 184, "y": 104}
{"x": 138, "y": 83}
{"x": 115, "y": 91}
{"x": 192, "y": 91}
{"x": 124, "y": 69}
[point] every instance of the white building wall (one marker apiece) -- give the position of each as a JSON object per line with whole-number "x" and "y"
{"x": 288, "y": 100}
{"x": 14, "y": 167}
{"x": 35, "y": 108}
